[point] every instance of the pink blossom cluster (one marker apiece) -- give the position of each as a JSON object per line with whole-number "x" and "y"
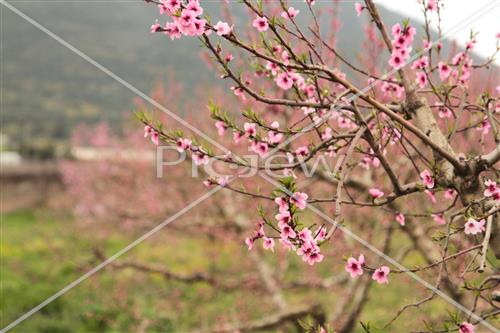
{"x": 466, "y": 327}
{"x": 421, "y": 76}
{"x": 149, "y": 131}
{"x": 443, "y": 110}
{"x": 391, "y": 89}
{"x": 472, "y": 226}
{"x": 185, "y": 19}
{"x": 492, "y": 190}
{"x": 355, "y": 268}
{"x": 304, "y": 242}
{"x": 285, "y": 78}
{"x": 462, "y": 64}
{"x": 258, "y": 145}
{"x": 199, "y": 156}
{"x": 401, "y": 45}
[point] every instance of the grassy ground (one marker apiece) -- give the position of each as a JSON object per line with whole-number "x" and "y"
{"x": 41, "y": 254}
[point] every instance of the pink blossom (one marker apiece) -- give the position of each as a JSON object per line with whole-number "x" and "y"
{"x": 261, "y": 24}
{"x": 409, "y": 33}
{"x": 376, "y": 193}
{"x": 496, "y": 195}
{"x": 187, "y": 18}
{"x": 290, "y": 13}
{"x": 249, "y": 242}
{"x": 313, "y": 257}
{"x": 380, "y": 275}
{"x": 183, "y": 144}
{"x": 198, "y": 27}
{"x": 427, "y": 45}
{"x": 172, "y": 5}
{"x": 305, "y": 235}
{"x": 287, "y": 232}
{"x": 473, "y": 226}
{"x": 470, "y": 45}
{"x": 421, "y": 63}
{"x": 299, "y": 199}
{"x": 449, "y": 194}
{"x": 431, "y": 196}
{"x": 466, "y": 328}
{"x": 221, "y": 127}
{"x": 355, "y": 267}
{"x": 491, "y": 188}
{"x": 236, "y": 136}
{"x": 359, "y": 8}
{"x": 345, "y": 122}
{"x": 400, "y": 218}
{"x": 321, "y": 233}
{"x": 238, "y": 91}
{"x": 200, "y": 158}
{"x": 260, "y": 148}
{"x": 310, "y": 90}
{"x": 194, "y": 6}
{"x": 439, "y": 219}
{"x": 444, "y": 111}
{"x": 421, "y": 79}
{"x": 427, "y": 179}
{"x": 286, "y": 59}
{"x": 396, "y": 30}
{"x": 404, "y": 52}
{"x": 259, "y": 232}
{"x": 283, "y": 218}
{"x": 222, "y": 28}
{"x": 484, "y": 126}
{"x": 458, "y": 58}
{"x": 268, "y": 244}
{"x": 172, "y": 30}
{"x": 282, "y": 203}
{"x": 310, "y": 252}
{"x": 274, "y": 137}
{"x": 223, "y": 181}
{"x": 228, "y": 57}
{"x": 284, "y": 81}
{"x": 396, "y": 60}
{"x": 155, "y": 27}
{"x": 302, "y": 151}
{"x": 273, "y": 67}
{"x": 250, "y": 130}
{"x": 147, "y": 130}
{"x": 432, "y": 5}
{"x": 444, "y": 70}
{"x": 327, "y": 134}
{"x": 390, "y": 88}
{"x": 155, "y": 138}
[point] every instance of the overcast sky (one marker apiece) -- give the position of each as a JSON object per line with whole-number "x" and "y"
{"x": 484, "y": 14}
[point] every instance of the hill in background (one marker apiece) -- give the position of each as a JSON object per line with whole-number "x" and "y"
{"x": 47, "y": 89}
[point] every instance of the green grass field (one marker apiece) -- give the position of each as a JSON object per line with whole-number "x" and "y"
{"x": 42, "y": 253}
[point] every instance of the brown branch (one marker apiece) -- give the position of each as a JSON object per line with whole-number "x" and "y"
{"x": 273, "y": 321}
